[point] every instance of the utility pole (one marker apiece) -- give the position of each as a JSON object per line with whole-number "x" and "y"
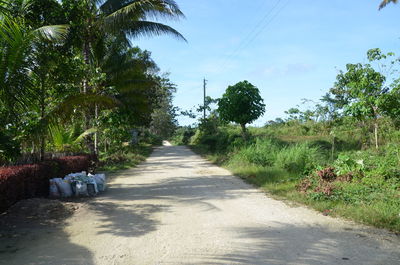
{"x": 204, "y": 89}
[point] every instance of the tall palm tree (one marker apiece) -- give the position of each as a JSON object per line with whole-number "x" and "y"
{"x": 121, "y": 20}
{"x": 385, "y": 2}
{"x": 124, "y": 19}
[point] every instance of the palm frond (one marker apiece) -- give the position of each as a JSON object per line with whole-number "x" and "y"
{"x": 64, "y": 139}
{"x": 83, "y": 135}
{"x": 136, "y": 29}
{"x": 386, "y": 2}
{"x": 52, "y": 33}
{"x": 4, "y": 11}
{"x": 141, "y": 9}
{"x": 64, "y": 111}
{"x": 15, "y": 89}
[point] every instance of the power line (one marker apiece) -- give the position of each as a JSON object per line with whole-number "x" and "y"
{"x": 269, "y": 22}
{"x": 254, "y": 30}
{"x": 249, "y": 38}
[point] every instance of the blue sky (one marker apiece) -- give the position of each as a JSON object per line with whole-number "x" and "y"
{"x": 289, "y": 49}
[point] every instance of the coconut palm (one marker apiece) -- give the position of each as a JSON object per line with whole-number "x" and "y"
{"x": 122, "y": 19}
{"x": 18, "y": 48}
{"x": 386, "y": 2}
{"x": 118, "y": 20}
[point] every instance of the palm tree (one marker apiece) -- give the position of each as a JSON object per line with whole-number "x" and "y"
{"x": 119, "y": 20}
{"x": 385, "y": 2}
{"x": 123, "y": 19}
{"x": 17, "y": 46}
{"x": 18, "y": 42}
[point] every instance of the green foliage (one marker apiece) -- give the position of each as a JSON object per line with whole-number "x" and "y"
{"x": 183, "y": 135}
{"x": 241, "y": 104}
{"x": 345, "y": 164}
{"x": 362, "y": 91}
{"x": 151, "y": 138}
{"x": 70, "y": 64}
{"x": 126, "y": 157}
{"x": 263, "y": 152}
{"x": 9, "y": 147}
{"x": 298, "y": 158}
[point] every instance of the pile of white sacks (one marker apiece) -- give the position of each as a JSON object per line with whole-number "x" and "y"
{"x": 77, "y": 185}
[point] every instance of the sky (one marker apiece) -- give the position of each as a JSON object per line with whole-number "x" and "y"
{"x": 291, "y": 50}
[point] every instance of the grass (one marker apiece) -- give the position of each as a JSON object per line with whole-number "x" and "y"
{"x": 125, "y": 158}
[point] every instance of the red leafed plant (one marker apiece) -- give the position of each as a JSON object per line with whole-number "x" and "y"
{"x": 28, "y": 181}
{"x": 327, "y": 174}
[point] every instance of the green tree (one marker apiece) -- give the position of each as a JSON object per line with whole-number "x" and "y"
{"x": 363, "y": 93}
{"x": 164, "y": 121}
{"x": 19, "y": 44}
{"x": 93, "y": 23}
{"x": 241, "y": 104}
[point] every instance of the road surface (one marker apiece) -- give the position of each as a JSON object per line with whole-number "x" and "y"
{"x": 176, "y": 208}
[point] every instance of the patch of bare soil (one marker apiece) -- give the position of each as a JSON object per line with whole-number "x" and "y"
{"x": 40, "y": 209}
{"x": 28, "y": 219}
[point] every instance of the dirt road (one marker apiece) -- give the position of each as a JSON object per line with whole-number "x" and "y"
{"x": 176, "y": 208}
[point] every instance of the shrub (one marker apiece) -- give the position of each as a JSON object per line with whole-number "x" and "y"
{"x": 263, "y": 152}
{"x": 182, "y": 136}
{"x": 28, "y": 181}
{"x": 298, "y": 158}
{"x": 71, "y": 164}
{"x": 151, "y": 138}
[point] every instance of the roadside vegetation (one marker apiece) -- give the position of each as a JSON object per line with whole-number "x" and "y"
{"x": 76, "y": 94}
{"x": 72, "y": 81}
{"x": 340, "y": 155}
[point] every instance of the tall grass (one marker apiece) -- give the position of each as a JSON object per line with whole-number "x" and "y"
{"x": 263, "y": 152}
{"x": 298, "y": 158}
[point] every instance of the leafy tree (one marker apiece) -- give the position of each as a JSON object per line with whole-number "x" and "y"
{"x": 362, "y": 91}
{"x": 241, "y": 104}
{"x": 164, "y": 121}
{"x": 294, "y": 114}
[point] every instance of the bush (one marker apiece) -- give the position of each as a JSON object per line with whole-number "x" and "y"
{"x": 224, "y": 139}
{"x": 182, "y": 136}
{"x": 28, "y": 181}
{"x": 71, "y": 164}
{"x": 152, "y": 139}
{"x": 298, "y": 158}
{"x": 9, "y": 147}
{"x": 263, "y": 153}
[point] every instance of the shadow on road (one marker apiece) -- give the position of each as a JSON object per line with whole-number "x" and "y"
{"x": 283, "y": 243}
{"x": 39, "y": 240}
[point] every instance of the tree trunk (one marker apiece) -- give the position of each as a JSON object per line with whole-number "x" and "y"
{"x": 244, "y": 131}
{"x": 376, "y": 128}
{"x": 86, "y": 89}
{"x": 96, "y": 135}
{"x": 42, "y": 114}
